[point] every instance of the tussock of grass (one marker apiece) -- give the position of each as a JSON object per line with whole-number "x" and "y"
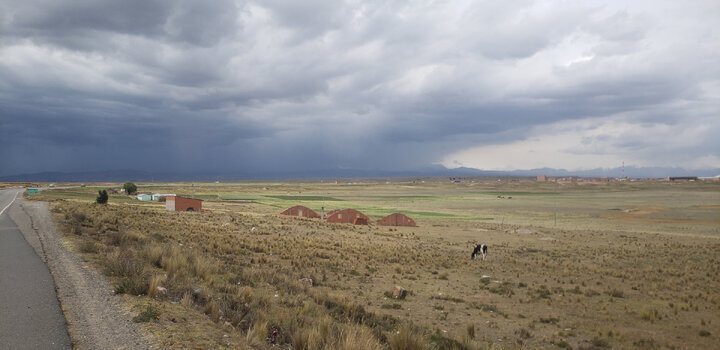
{"x": 155, "y": 282}
{"x": 202, "y": 267}
{"x": 134, "y": 285}
{"x": 123, "y": 263}
{"x": 407, "y": 338}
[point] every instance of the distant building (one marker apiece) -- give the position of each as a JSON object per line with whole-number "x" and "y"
{"x": 301, "y": 211}
{"x": 396, "y": 219}
{"x": 682, "y": 178}
{"x": 176, "y": 203}
{"x": 542, "y": 178}
{"x": 144, "y": 197}
{"x": 593, "y": 179}
{"x": 156, "y": 196}
{"x": 347, "y": 216}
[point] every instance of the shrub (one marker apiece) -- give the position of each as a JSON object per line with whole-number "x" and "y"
{"x": 102, "y": 197}
{"x": 150, "y": 313}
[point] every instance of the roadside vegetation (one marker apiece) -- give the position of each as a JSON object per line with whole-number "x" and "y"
{"x": 243, "y": 277}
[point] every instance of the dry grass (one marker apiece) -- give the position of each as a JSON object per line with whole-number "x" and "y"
{"x": 407, "y": 338}
{"x": 547, "y": 287}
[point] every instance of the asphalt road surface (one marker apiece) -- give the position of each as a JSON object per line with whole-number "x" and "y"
{"x": 30, "y": 314}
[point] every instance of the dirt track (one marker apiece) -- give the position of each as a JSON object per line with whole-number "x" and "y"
{"x": 97, "y": 318}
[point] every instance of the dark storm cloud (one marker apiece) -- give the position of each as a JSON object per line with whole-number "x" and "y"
{"x": 232, "y": 85}
{"x": 70, "y": 22}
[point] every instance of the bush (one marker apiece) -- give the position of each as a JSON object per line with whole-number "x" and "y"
{"x": 150, "y": 313}
{"x": 130, "y": 187}
{"x": 102, "y": 197}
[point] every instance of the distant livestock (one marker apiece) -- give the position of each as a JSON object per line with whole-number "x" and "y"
{"x": 396, "y": 219}
{"x": 480, "y": 248}
{"x": 301, "y": 211}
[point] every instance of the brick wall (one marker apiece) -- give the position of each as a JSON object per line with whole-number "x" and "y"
{"x": 183, "y": 204}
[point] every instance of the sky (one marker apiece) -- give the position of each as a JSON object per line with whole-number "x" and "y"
{"x": 271, "y": 86}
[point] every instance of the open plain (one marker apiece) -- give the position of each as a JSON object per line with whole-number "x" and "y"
{"x": 575, "y": 265}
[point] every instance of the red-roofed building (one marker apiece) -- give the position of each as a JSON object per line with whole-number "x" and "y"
{"x": 301, "y": 211}
{"x": 177, "y": 203}
{"x": 396, "y": 219}
{"x": 347, "y": 216}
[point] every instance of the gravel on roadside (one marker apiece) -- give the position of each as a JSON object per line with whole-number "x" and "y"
{"x": 97, "y": 318}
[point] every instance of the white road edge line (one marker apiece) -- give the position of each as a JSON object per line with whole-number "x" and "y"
{"x": 11, "y": 202}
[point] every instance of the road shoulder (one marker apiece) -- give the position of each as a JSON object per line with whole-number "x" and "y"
{"x": 96, "y": 317}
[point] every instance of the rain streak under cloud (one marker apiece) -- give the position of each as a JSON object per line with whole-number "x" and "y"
{"x": 227, "y": 86}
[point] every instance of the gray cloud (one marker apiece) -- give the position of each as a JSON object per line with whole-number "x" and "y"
{"x": 231, "y": 85}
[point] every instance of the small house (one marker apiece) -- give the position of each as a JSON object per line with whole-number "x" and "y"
{"x": 144, "y": 197}
{"x": 156, "y": 196}
{"x": 301, "y": 211}
{"x": 350, "y": 216}
{"x": 177, "y": 203}
{"x": 396, "y": 219}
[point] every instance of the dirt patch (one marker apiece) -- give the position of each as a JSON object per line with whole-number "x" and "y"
{"x": 96, "y": 317}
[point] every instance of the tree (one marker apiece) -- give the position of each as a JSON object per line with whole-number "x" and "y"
{"x": 102, "y": 197}
{"x": 130, "y": 187}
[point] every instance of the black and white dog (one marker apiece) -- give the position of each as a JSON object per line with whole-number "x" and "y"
{"x": 480, "y": 248}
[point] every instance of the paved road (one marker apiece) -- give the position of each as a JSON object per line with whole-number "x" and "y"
{"x": 30, "y": 315}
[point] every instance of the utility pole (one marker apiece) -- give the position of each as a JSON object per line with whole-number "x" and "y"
{"x": 193, "y": 190}
{"x": 555, "y": 204}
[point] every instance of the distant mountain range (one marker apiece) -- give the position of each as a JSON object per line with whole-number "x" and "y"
{"x": 337, "y": 173}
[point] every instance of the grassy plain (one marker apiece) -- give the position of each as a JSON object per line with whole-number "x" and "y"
{"x": 583, "y": 266}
